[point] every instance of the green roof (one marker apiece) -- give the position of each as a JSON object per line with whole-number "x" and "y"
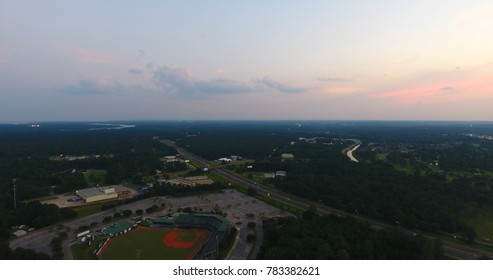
{"x": 117, "y": 228}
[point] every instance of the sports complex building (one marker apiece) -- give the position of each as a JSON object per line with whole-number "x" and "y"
{"x": 102, "y": 193}
{"x": 179, "y": 236}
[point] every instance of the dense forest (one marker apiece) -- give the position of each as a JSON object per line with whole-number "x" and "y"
{"x": 332, "y": 237}
{"x": 428, "y": 176}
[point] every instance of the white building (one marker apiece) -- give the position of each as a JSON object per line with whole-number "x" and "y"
{"x": 281, "y": 173}
{"x": 287, "y": 156}
{"x": 97, "y": 194}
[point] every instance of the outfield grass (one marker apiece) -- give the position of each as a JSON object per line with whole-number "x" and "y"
{"x": 142, "y": 244}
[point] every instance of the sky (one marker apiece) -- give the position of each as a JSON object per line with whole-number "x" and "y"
{"x": 246, "y": 60}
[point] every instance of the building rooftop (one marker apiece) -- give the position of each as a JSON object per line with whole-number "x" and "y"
{"x": 85, "y": 193}
{"x": 117, "y": 228}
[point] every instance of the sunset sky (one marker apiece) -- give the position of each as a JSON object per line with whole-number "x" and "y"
{"x": 246, "y": 60}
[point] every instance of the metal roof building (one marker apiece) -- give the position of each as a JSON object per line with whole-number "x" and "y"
{"x": 118, "y": 229}
{"x": 97, "y": 194}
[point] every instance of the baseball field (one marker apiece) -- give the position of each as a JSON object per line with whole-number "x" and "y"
{"x": 145, "y": 243}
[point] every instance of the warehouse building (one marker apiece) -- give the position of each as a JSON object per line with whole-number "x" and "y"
{"x": 97, "y": 194}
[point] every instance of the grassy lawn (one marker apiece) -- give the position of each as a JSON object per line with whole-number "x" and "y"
{"x": 177, "y": 174}
{"x": 444, "y": 237}
{"x": 166, "y": 142}
{"x": 194, "y": 163}
{"x": 41, "y": 198}
{"x": 85, "y": 252}
{"x": 382, "y": 156}
{"x": 408, "y": 169}
{"x": 484, "y": 228}
{"x": 87, "y": 210}
{"x": 216, "y": 178}
{"x": 95, "y": 177}
{"x": 148, "y": 245}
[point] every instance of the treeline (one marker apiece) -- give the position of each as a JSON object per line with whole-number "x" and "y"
{"x": 38, "y": 215}
{"x": 333, "y": 237}
{"x": 123, "y": 154}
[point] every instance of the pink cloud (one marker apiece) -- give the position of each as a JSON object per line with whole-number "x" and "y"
{"x": 220, "y": 71}
{"x": 417, "y": 93}
{"x": 470, "y": 84}
{"x": 84, "y": 56}
{"x": 341, "y": 90}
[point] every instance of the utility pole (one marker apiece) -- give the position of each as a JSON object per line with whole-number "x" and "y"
{"x": 15, "y": 201}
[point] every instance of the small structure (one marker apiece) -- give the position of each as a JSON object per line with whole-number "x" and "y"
{"x": 168, "y": 159}
{"x": 281, "y": 173}
{"x": 97, "y": 194}
{"x": 117, "y": 229}
{"x": 287, "y": 156}
{"x": 225, "y": 160}
{"x": 84, "y": 233}
{"x": 269, "y": 175}
{"x": 19, "y": 232}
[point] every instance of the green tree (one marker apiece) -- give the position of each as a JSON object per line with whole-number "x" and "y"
{"x": 251, "y": 238}
{"x": 127, "y": 213}
{"x": 310, "y": 213}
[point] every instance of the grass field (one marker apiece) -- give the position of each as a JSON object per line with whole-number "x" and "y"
{"x": 85, "y": 252}
{"x": 87, "y": 210}
{"x": 155, "y": 244}
{"x": 484, "y": 228}
{"x": 94, "y": 176}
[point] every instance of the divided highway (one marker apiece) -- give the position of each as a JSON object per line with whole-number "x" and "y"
{"x": 454, "y": 250}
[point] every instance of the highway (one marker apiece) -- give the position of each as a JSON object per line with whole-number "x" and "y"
{"x": 453, "y": 250}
